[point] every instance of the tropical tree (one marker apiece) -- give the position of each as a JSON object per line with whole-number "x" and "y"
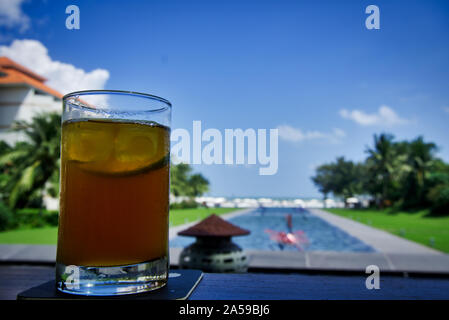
{"x": 438, "y": 194}
{"x": 420, "y": 160}
{"x": 385, "y": 167}
{"x": 323, "y": 179}
{"x": 31, "y": 165}
{"x": 198, "y": 185}
{"x": 184, "y": 183}
{"x": 179, "y": 181}
{"x": 406, "y": 174}
{"x": 4, "y": 178}
{"x": 343, "y": 178}
{"x": 347, "y": 178}
{"x": 4, "y": 147}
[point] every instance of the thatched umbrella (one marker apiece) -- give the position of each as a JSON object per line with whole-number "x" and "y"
{"x": 213, "y": 250}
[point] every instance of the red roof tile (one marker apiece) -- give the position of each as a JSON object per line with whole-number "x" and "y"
{"x": 18, "y": 74}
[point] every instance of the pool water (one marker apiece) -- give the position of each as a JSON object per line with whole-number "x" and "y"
{"x": 321, "y": 235}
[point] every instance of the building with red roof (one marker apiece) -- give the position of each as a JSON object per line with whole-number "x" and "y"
{"x": 23, "y": 93}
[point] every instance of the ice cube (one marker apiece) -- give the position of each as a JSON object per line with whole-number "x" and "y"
{"x": 136, "y": 144}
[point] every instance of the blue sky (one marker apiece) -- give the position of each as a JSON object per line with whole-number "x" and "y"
{"x": 309, "y": 68}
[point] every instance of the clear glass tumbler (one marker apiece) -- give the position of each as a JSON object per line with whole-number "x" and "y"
{"x": 114, "y": 198}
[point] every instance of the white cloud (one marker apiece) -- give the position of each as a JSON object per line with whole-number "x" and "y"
{"x": 446, "y": 109}
{"x": 61, "y": 76}
{"x": 384, "y": 116}
{"x": 11, "y": 15}
{"x": 292, "y": 134}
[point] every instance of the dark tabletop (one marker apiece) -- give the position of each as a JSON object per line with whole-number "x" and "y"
{"x": 262, "y": 286}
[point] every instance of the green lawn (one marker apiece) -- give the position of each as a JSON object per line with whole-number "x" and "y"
{"x": 413, "y": 226}
{"x": 48, "y": 235}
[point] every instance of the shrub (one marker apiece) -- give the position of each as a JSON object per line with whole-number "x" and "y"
{"x": 439, "y": 197}
{"x": 6, "y": 217}
{"x": 185, "y": 204}
{"x": 36, "y": 218}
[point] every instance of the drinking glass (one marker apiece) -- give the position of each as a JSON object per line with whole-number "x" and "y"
{"x": 114, "y": 197}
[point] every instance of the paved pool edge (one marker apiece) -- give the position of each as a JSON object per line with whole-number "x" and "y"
{"x": 380, "y": 240}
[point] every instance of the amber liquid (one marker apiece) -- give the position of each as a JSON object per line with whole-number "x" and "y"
{"x": 114, "y": 193}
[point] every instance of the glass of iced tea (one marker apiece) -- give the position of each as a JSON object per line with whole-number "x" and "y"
{"x": 114, "y": 195}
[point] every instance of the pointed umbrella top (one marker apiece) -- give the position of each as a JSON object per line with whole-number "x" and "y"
{"x": 214, "y": 226}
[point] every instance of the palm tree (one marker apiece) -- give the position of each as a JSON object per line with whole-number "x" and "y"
{"x": 420, "y": 159}
{"x": 179, "y": 178}
{"x": 385, "y": 165}
{"x": 198, "y": 185}
{"x": 184, "y": 183}
{"x": 32, "y": 165}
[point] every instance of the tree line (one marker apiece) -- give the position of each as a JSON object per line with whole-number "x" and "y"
{"x": 405, "y": 175}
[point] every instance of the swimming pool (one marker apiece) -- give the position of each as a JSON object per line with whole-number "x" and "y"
{"x": 321, "y": 235}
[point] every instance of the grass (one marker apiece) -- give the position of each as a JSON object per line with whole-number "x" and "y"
{"x": 416, "y": 226}
{"x": 48, "y": 235}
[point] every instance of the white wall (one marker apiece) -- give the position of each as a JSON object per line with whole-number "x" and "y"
{"x": 22, "y": 103}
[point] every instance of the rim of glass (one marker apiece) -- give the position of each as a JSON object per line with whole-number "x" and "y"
{"x": 121, "y": 92}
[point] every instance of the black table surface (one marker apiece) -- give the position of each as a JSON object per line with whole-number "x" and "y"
{"x": 262, "y": 286}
